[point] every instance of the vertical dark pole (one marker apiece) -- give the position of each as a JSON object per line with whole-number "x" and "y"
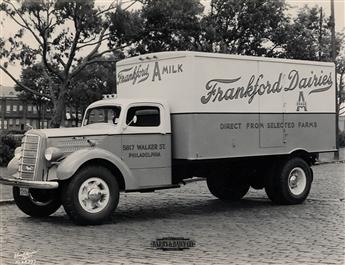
{"x": 43, "y": 109}
{"x": 320, "y": 35}
{"x": 336, "y": 154}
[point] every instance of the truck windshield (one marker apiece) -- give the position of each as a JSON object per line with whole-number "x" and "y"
{"x": 104, "y": 114}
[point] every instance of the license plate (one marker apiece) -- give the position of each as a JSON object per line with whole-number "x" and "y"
{"x": 23, "y": 192}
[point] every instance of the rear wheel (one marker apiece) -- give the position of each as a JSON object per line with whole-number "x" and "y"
{"x": 91, "y": 195}
{"x": 37, "y": 202}
{"x": 226, "y": 187}
{"x": 289, "y": 182}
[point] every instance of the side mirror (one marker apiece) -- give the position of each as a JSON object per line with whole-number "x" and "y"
{"x": 29, "y": 126}
{"x": 133, "y": 121}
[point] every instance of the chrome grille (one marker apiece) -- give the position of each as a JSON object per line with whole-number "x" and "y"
{"x": 28, "y": 161}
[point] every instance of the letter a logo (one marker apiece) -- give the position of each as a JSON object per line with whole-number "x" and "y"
{"x": 301, "y": 104}
{"x": 156, "y": 72}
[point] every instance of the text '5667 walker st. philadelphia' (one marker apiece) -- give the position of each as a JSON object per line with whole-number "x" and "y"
{"x": 237, "y": 121}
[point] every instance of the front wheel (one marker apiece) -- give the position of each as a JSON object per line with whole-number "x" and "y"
{"x": 289, "y": 182}
{"x": 37, "y": 202}
{"x": 91, "y": 195}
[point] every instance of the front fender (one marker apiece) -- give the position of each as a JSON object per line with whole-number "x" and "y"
{"x": 74, "y": 161}
{"x": 13, "y": 166}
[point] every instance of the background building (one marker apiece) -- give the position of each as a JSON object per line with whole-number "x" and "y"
{"x": 15, "y": 113}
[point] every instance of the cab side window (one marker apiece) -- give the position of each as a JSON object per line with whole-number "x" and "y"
{"x": 146, "y": 116}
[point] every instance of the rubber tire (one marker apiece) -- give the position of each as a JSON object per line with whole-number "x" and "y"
{"x": 26, "y": 205}
{"x": 70, "y": 199}
{"x": 277, "y": 188}
{"x": 226, "y": 188}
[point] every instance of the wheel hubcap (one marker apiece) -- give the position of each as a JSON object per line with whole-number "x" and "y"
{"x": 297, "y": 181}
{"x": 94, "y": 195}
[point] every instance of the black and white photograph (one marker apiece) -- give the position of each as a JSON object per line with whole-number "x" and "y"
{"x": 167, "y": 132}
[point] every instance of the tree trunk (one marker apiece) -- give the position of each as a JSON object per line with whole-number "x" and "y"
{"x": 39, "y": 108}
{"x": 59, "y": 109}
{"x": 76, "y": 115}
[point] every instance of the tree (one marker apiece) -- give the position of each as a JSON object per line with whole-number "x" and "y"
{"x": 170, "y": 25}
{"x": 340, "y": 66}
{"x": 33, "y": 78}
{"x": 90, "y": 85}
{"x": 69, "y": 36}
{"x": 251, "y": 27}
{"x": 308, "y": 37}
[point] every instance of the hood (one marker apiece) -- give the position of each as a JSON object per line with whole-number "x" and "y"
{"x": 89, "y": 130}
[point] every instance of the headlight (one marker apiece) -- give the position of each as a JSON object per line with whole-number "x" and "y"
{"x": 18, "y": 152}
{"x": 53, "y": 153}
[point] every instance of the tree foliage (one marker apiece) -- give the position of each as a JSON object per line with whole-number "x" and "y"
{"x": 170, "y": 25}
{"x": 35, "y": 78}
{"x": 308, "y": 37}
{"x": 76, "y": 43}
{"x": 251, "y": 27}
{"x": 89, "y": 86}
{"x": 85, "y": 88}
{"x": 69, "y": 36}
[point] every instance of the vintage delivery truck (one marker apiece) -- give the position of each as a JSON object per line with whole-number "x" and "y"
{"x": 237, "y": 121}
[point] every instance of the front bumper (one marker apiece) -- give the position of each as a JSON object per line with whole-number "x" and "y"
{"x": 48, "y": 185}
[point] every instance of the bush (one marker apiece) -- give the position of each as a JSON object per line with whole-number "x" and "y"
{"x": 8, "y": 144}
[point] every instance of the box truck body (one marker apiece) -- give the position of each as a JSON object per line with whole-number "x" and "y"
{"x": 226, "y": 106}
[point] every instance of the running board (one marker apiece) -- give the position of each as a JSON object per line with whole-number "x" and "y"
{"x": 152, "y": 189}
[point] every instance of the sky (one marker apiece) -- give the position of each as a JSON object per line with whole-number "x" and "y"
{"x": 8, "y": 30}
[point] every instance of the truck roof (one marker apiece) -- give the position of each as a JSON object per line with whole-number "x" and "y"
{"x": 179, "y": 54}
{"x": 126, "y": 101}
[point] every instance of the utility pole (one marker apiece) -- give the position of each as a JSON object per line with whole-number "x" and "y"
{"x": 336, "y": 154}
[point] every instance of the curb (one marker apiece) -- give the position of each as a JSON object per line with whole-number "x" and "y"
{"x": 329, "y": 162}
{"x": 4, "y": 202}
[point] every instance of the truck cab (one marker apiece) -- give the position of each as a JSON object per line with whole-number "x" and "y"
{"x": 127, "y": 139}
{"x": 142, "y": 140}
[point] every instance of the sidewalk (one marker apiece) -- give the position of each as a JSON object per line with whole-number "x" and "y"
{"x": 328, "y": 157}
{"x": 6, "y": 191}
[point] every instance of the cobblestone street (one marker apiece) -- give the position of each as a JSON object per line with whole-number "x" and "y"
{"x": 252, "y": 231}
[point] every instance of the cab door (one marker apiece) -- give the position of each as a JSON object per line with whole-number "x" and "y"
{"x": 146, "y": 144}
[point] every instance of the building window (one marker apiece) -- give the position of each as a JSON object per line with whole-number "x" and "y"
{"x": 15, "y": 108}
{"x": 10, "y": 122}
{"x": 34, "y": 108}
{"x": 17, "y": 122}
{"x": 5, "y": 124}
{"x": 20, "y": 107}
{"x": 8, "y": 108}
{"x": 30, "y": 108}
{"x": 45, "y": 124}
